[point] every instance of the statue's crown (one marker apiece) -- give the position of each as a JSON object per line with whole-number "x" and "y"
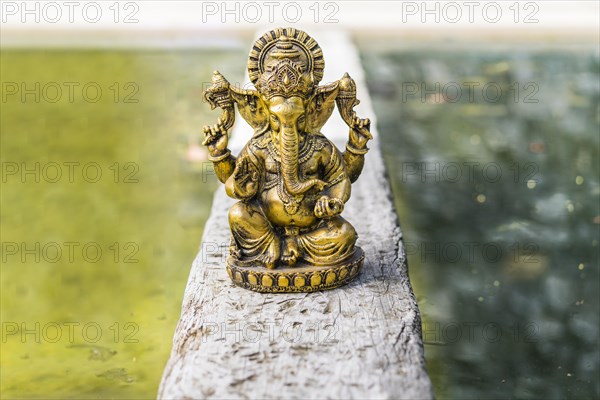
{"x": 285, "y": 76}
{"x": 286, "y": 62}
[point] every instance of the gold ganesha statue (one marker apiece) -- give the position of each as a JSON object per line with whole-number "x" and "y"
{"x": 288, "y": 234}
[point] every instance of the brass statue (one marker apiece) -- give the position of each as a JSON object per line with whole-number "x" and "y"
{"x": 290, "y": 180}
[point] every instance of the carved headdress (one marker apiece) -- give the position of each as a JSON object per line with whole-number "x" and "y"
{"x": 286, "y": 62}
{"x": 283, "y": 62}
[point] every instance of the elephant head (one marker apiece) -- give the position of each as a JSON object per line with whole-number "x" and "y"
{"x": 286, "y": 66}
{"x": 287, "y": 120}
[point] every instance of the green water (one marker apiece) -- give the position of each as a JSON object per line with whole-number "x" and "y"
{"x": 498, "y": 196}
{"x": 104, "y": 320}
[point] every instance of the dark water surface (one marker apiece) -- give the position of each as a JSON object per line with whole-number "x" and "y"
{"x": 493, "y": 153}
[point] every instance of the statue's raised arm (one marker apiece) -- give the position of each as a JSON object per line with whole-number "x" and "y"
{"x": 360, "y": 129}
{"x": 216, "y": 136}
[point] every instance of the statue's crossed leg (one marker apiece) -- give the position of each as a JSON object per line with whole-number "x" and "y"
{"x": 256, "y": 242}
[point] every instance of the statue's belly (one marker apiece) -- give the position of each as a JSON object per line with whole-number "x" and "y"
{"x": 276, "y": 213}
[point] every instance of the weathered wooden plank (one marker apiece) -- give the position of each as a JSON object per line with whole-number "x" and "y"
{"x": 359, "y": 341}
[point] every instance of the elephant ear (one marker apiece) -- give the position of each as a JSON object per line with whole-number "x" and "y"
{"x": 321, "y": 106}
{"x": 251, "y": 108}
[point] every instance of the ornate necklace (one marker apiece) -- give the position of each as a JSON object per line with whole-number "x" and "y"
{"x": 291, "y": 203}
{"x": 308, "y": 147}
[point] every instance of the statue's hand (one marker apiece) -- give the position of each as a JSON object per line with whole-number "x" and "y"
{"x": 360, "y": 132}
{"x": 327, "y": 207}
{"x": 245, "y": 178}
{"x": 215, "y": 139}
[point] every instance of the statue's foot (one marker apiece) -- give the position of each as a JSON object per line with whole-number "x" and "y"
{"x": 290, "y": 251}
{"x": 271, "y": 256}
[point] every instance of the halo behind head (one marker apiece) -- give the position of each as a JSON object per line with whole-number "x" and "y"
{"x": 303, "y": 52}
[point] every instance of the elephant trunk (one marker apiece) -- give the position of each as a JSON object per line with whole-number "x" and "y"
{"x": 289, "y": 163}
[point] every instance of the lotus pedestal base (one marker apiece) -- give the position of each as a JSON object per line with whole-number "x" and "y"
{"x": 300, "y": 278}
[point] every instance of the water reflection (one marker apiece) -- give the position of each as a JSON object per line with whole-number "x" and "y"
{"x": 494, "y": 156}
